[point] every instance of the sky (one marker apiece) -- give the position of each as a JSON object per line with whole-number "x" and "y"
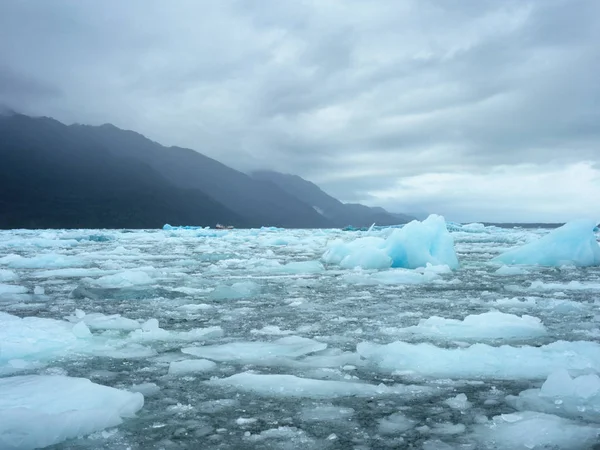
{"x": 479, "y": 110}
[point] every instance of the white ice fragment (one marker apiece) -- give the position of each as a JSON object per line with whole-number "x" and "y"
{"x": 572, "y": 244}
{"x": 8, "y": 275}
{"x": 38, "y": 411}
{"x": 39, "y": 290}
{"x": 256, "y": 352}
{"x": 412, "y": 246}
{"x": 272, "y": 330}
{"x": 326, "y": 413}
{"x": 533, "y": 430}
{"x": 191, "y": 366}
{"x": 563, "y": 395}
{"x": 459, "y": 402}
{"x": 242, "y": 289}
{"x": 146, "y": 389}
{"x": 6, "y": 289}
{"x": 481, "y": 360}
{"x": 292, "y": 386}
{"x": 243, "y": 421}
{"x": 125, "y": 279}
{"x": 81, "y": 330}
{"x": 490, "y": 325}
{"x": 153, "y": 333}
{"x": 396, "y": 423}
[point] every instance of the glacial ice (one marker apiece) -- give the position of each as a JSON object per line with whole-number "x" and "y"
{"x": 37, "y": 411}
{"x": 532, "y": 430}
{"x": 257, "y": 352}
{"x": 562, "y": 395}
{"x": 293, "y": 386}
{"x": 412, "y": 246}
{"x": 336, "y": 378}
{"x": 191, "y": 366}
{"x": 482, "y": 361}
{"x": 572, "y": 244}
{"x": 490, "y": 325}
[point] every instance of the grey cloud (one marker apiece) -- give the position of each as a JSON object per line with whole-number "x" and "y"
{"x": 354, "y": 95}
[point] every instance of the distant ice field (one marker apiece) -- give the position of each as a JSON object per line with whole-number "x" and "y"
{"x": 429, "y": 336}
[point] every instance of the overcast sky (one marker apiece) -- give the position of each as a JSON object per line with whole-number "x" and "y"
{"x": 480, "y": 110}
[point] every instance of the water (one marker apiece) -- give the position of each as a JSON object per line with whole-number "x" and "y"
{"x": 191, "y": 279}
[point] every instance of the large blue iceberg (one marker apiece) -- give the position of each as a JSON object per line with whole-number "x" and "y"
{"x": 572, "y": 244}
{"x": 412, "y": 246}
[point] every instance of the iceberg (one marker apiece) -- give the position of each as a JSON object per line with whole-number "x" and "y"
{"x": 481, "y": 361}
{"x": 573, "y": 398}
{"x": 37, "y": 411}
{"x": 490, "y": 325}
{"x": 414, "y": 245}
{"x": 572, "y": 244}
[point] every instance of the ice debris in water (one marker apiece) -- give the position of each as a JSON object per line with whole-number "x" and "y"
{"x": 410, "y": 247}
{"x": 37, "y": 411}
{"x": 563, "y": 395}
{"x": 292, "y": 386}
{"x": 242, "y": 289}
{"x": 533, "y": 430}
{"x": 257, "y": 351}
{"x": 490, "y": 325}
{"x": 191, "y": 366}
{"x": 124, "y": 279}
{"x": 572, "y": 244}
{"x": 481, "y": 360}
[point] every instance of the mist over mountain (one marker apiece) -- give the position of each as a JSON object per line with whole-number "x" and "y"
{"x": 340, "y": 214}
{"x": 79, "y": 176}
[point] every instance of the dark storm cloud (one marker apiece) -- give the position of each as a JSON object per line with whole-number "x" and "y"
{"x": 357, "y": 96}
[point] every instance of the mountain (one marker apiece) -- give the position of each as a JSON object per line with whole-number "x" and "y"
{"x": 340, "y": 214}
{"x": 51, "y": 177}
{"x": 58, "y": 176}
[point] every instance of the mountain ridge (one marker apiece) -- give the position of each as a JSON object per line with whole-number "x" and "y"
{"x": 71, "y": 176}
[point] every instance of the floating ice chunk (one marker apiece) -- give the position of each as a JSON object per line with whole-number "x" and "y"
{"x": 243, "y": 289}
{"x": 146, "y": 389}
{"x": 6, "y": 289}
{"x": 195, "y": 307}
{"x": 287, "y": 437}
{"x": 151, "y": 332}
{"x": 575, "y": 398}
{"x": 38, "y": 411}
{"x": 572, "y": 244}
{"x": 46, "y": 261}
{"x": 367, "y": 258}
{"x": 419, "y": 243}
{"x": 292, "y": 386}
{"x": 8, "y": 275}
{"x": 396, "y": 423}
{"x": 191, "y": 365}
{"x": 571, "y": 286}
{"x": 124, "y": 279}
{"x": 511, "y": 270}
{"x": 72, "y": 273}
{"x": 459, "y": 402}
{"x": 532, "y": 430}
{"x": 325, "y": 413}
{"x": 258, "y": 352}
{"x": 39, "y": 290}
{"x": 98, "y": 321}
{"x": 483, "y": 361}
{"x": 490, "y": 325}
{"x": 272, "y": 330}
{"x": 34, "y": 338}
{"x": 412, "y": 246}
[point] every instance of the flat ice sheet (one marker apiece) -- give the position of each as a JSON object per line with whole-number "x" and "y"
{"x": 38, "y": 411}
